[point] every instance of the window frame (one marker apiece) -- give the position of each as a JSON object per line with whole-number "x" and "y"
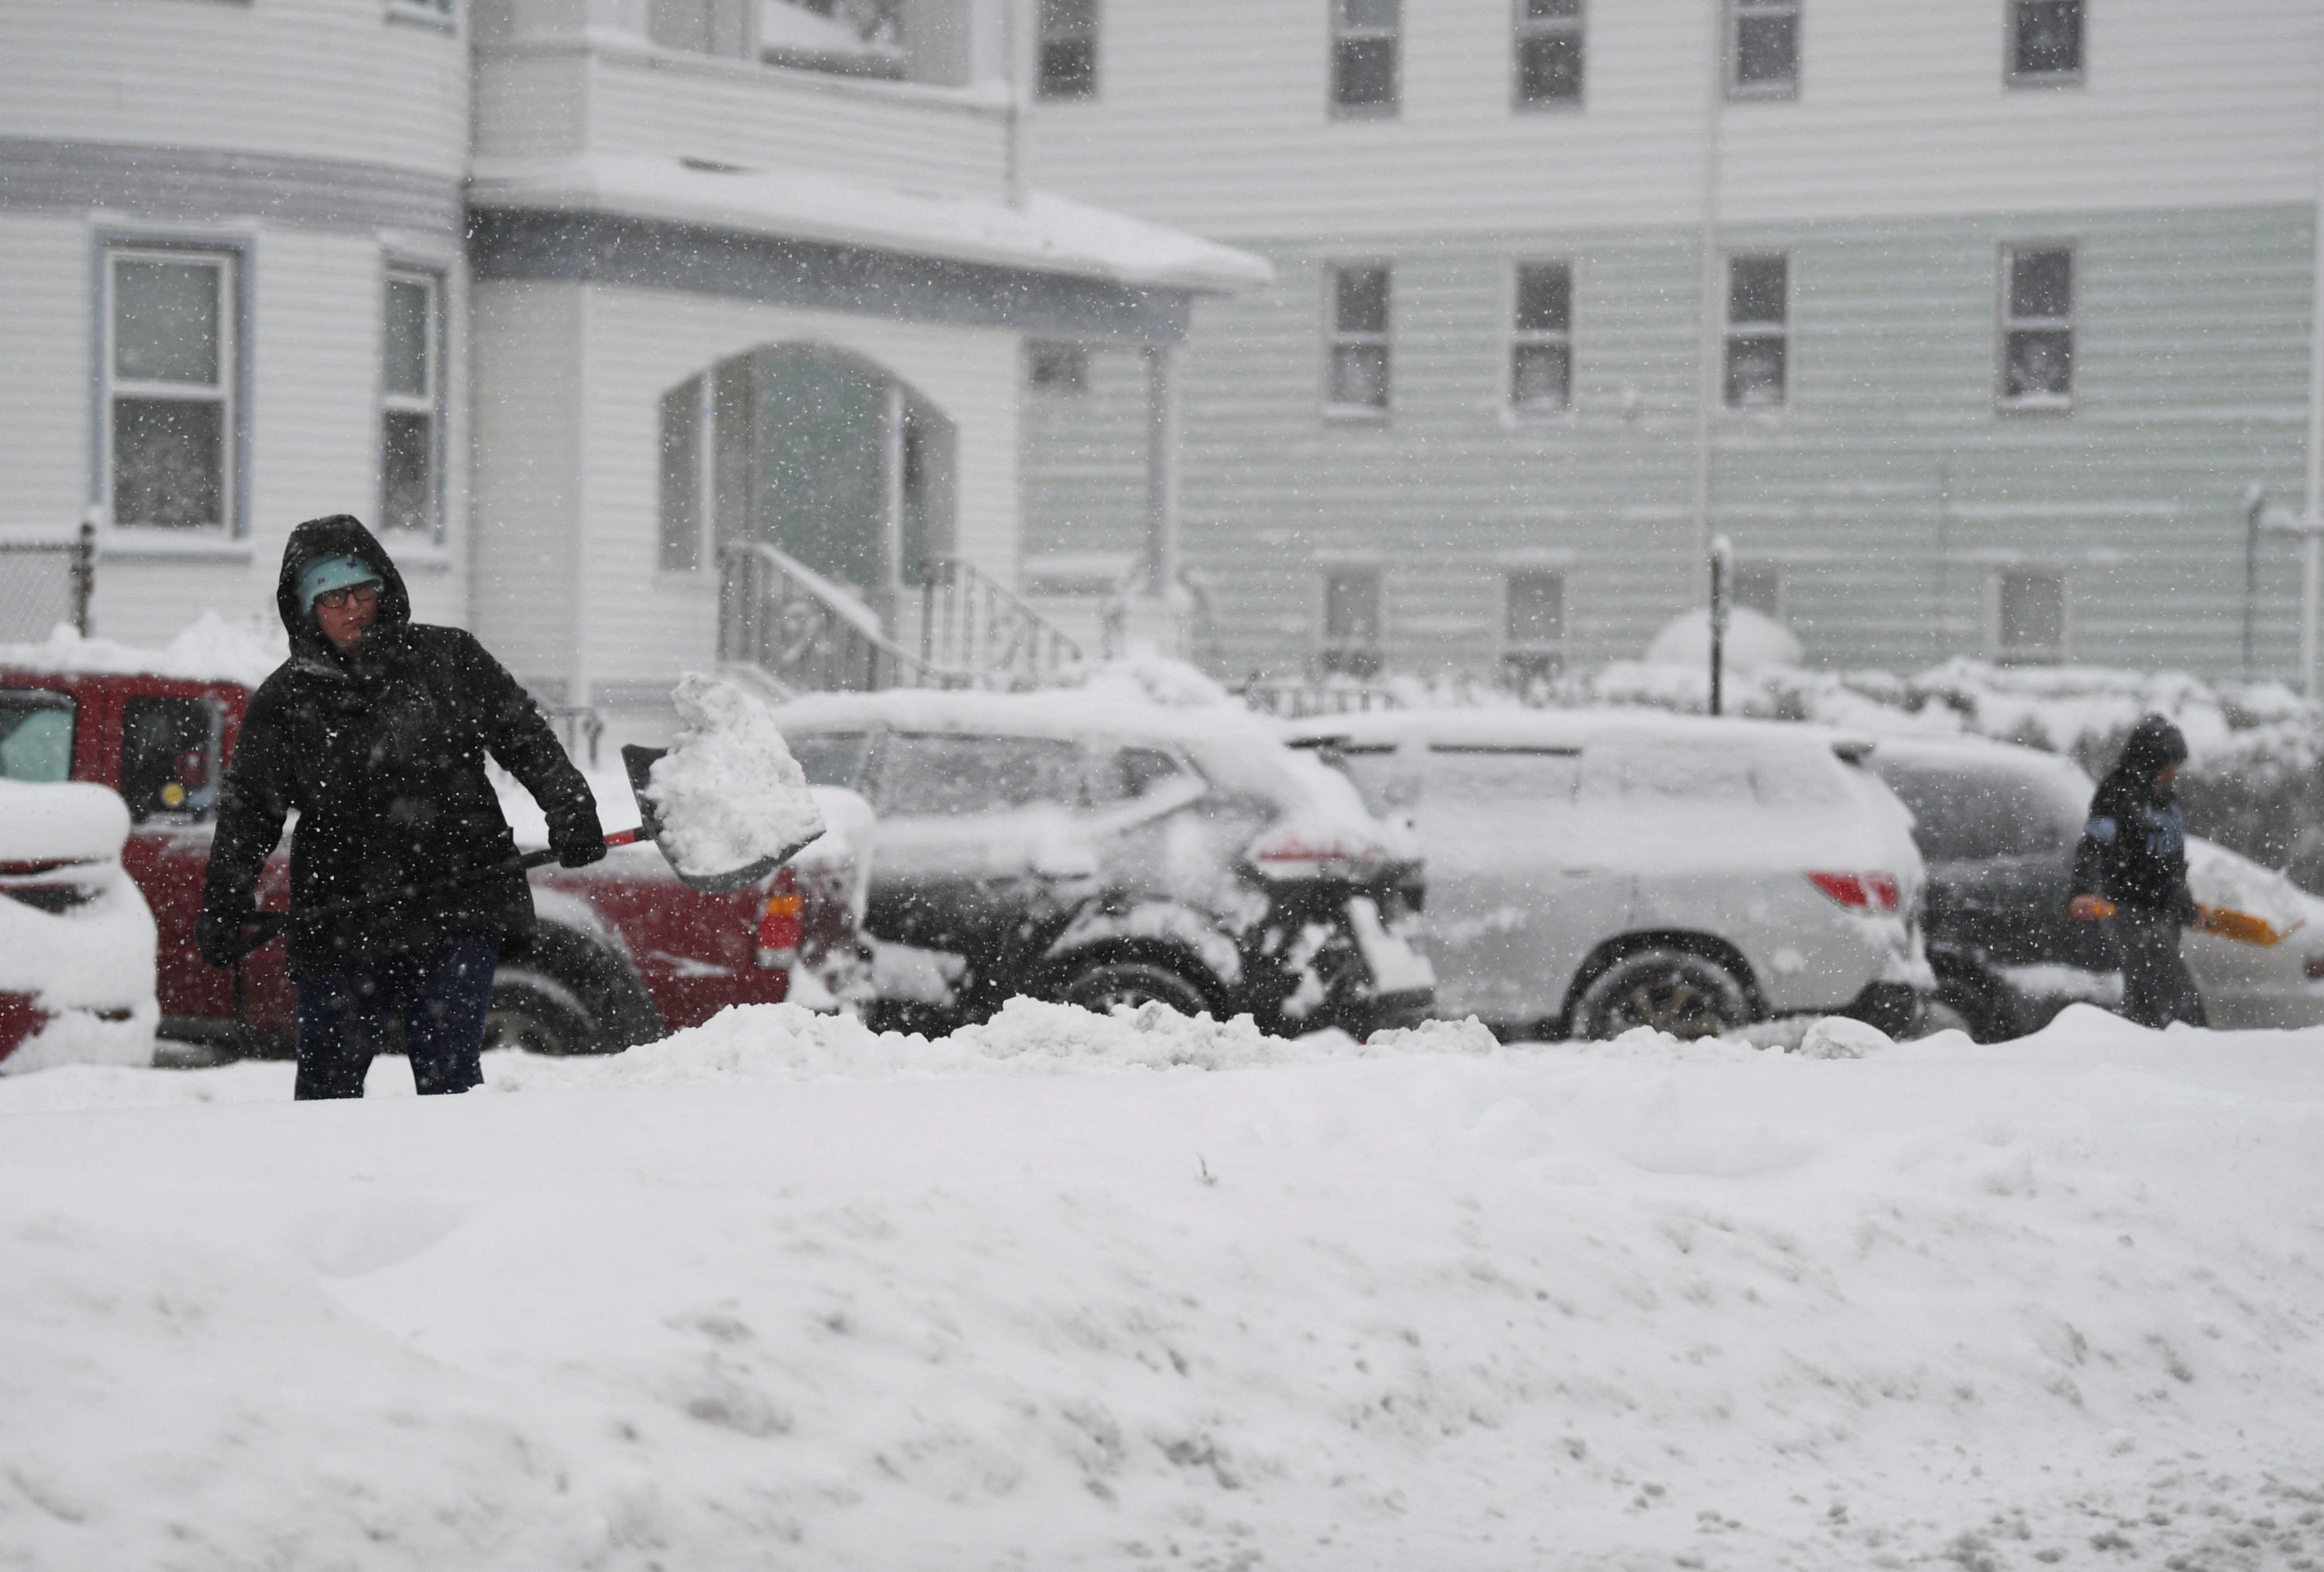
{"x": 1523, "y": 28}
{"x": 1335, "y": 339}
{"x": 1074, "y": 386}
{"x": 1522, "y": 337}
{"x": 2007, "y": 322}
{"x": 431, "y": 402}
{"x": 1740, "y": 91}
{"x": 1996, "y": 596}
{"x": 1731, "y": 331}
{"x": 2011, "y": 76}
{"x": 1534, "y": 660}
{"x": 1349, "y": 656}
{"x": 238, "y": 254}
{"x": 1340, "y": 33}
{"x": 1043, "y": 38}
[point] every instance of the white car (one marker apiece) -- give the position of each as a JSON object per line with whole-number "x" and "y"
{"x": 1594, "y": 871}
{"x": 76, "y": 938}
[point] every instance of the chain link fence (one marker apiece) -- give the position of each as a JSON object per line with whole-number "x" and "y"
{"x": 46, "y": 578}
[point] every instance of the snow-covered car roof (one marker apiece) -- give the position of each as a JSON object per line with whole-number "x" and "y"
{"x": 1554, "y": 728}
{"x": 60, "y": 821}
{"x": 1966, "y": 751}
{"x": 213, "y": 650}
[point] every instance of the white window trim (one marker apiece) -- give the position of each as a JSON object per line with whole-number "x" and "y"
{"x": 2011, "y": 76}
{"x": 2005, "y": 323}
{"x": 1519, "y": 649}
{"x": 224, "y": 538}
{"x": 1751, "y": 92}
{"x": 1995, "y": 649}
{"x": 1730, "y": 330}
{"x": 1523, "y": 27}
{"x": 430, "y": 403}
{"x": 1521, "y": 336}
{"x": 1356, "y": 414}
{"x": 1341, "y": 31}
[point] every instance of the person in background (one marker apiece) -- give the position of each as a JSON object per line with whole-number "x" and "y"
{"x": 403, "y": 877}
{"x": 2132, "y": 859}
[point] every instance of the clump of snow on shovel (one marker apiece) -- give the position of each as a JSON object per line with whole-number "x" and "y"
{"x": 728, "y": 791}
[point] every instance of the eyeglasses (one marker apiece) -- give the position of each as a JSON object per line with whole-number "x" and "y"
{"x": 339, "y": 599}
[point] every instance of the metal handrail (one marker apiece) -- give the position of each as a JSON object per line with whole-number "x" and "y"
{"x": 972, "y": 623}
{"x": 777, "y": 613}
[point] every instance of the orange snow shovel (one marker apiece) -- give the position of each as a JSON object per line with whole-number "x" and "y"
{"x": 2229, "y": 923}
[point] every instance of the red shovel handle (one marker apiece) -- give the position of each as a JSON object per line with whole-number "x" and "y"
{"x": 622, "y": 837}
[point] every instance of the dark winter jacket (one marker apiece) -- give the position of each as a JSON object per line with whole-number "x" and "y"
{"x": 2133, "y": 849}
{"x": 382, "y": 759}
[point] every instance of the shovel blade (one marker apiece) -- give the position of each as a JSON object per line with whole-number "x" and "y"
{"x": 638, "y": 764}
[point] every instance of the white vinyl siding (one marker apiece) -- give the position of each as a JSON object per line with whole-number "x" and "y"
{"x": 171, "y": 421}
{"x": 1358, "y": 371}
{"x": 1763, "y": 49}
{"x": 1541, "y": 338}
{"x": 1057, "y": 369}
{"x": 411, "y": 405}
{"x": 1548, "y": 53}
{"x": 1758, "y": 586}
{"x": 1367, "y": 57}
{"x": 1758, "y": 331}
{"x": 2037, "y": 327}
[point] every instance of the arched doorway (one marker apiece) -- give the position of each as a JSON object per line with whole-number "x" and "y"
{"x": 818, "y": 452}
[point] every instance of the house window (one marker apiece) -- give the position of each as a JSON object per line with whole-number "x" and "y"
{"x": 1758, "y": 587}
{"x": 1548, "y": 52}
{"x": 169, "y": 414}
{"x": 685, "y": 479}
{"x": 411, "y": 482}
{"x": 436, "y": 11}
{"x": 1758, "y": 314}
{"x": 1351, "y": 621}
{"x": 1056, "y": 368}
{"x": 2029, "y": 621}
{"x": 2037, "y": 327}
{"x": 1541, "y": 340}
{"x": 1359, "y": 306}
{"x": 1067, "y": 66}
{"x": 1763, "y": 49}
{"x": 2045, "y": 42}
{"x": 1533, "y": 624}
{"x": 1367, "y": 40}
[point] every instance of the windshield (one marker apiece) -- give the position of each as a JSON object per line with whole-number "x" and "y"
{"x": 1968, "y": 812}
{"x": 36, "y": 734}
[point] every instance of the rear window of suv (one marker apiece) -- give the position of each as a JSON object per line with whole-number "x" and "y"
{"x": 36, "y": 734}
{"x": 1970, "y": 812}
{"x": 931, "y": 773}
{"x": 830, "y": 758}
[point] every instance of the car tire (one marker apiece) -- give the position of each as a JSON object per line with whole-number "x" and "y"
{"x": 534, "y": 1012}
{"x": 1671, "y": 990}
{"x": 1109, "y": 984}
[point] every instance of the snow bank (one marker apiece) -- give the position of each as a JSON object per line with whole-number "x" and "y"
{"x": 213, "y": 650}
{"x": 2050, "y": 1303}
{"x": 87, "y": 967}
{"x": 1754, "y": 639}
{"x": 729, "y": 794}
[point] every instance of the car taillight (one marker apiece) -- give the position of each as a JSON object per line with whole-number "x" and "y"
{"x": 1287, "y": 854}
{"x": 1860, "y": 892}
{"x": 2315, "y": 968}
{"x": 779, "y": 924}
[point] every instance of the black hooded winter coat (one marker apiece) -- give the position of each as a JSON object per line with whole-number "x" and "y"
{"x": 382, "y": 759}
{"x": 2133, "y": 849}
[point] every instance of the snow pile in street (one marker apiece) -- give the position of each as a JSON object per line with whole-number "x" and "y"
{"x": 728, "y": 791}
{"x": 2054, "y": 1302}
{"x": 213, "y": 650}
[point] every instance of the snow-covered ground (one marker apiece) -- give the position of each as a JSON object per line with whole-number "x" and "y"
{"x": 1070, "y": 1292}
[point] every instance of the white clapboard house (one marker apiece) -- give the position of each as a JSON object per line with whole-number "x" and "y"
{"x": 648, "y": 333}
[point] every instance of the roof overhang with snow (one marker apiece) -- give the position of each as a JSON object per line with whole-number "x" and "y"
{"x": 1049, "y": 267}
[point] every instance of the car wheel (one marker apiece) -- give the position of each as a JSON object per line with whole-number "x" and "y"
{"x": 1110, "y": 985}
{"x": 534, "y": 1012}
{"x": 1936, "y": 1016}
{"x": 1671, "y": 990}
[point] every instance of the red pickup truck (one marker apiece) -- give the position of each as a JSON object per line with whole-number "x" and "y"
{"x": 625, "y": 953}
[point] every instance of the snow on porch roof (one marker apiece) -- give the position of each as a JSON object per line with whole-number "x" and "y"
{"x": 1048, "y": 234}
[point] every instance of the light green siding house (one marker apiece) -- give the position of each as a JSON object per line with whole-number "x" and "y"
{"x": 1969, "y": 324}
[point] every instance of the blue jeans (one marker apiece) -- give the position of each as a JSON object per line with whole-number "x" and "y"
{"x": 441, "y": 994}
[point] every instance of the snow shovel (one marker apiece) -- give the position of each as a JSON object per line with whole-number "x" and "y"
{"x": 2239, "y": 926}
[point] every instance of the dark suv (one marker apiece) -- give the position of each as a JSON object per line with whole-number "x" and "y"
{"x": 1104, "y": 854}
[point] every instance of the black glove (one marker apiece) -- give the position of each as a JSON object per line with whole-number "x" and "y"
{"x": 578, "y": 846}
{"x": 218, "y": 934}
